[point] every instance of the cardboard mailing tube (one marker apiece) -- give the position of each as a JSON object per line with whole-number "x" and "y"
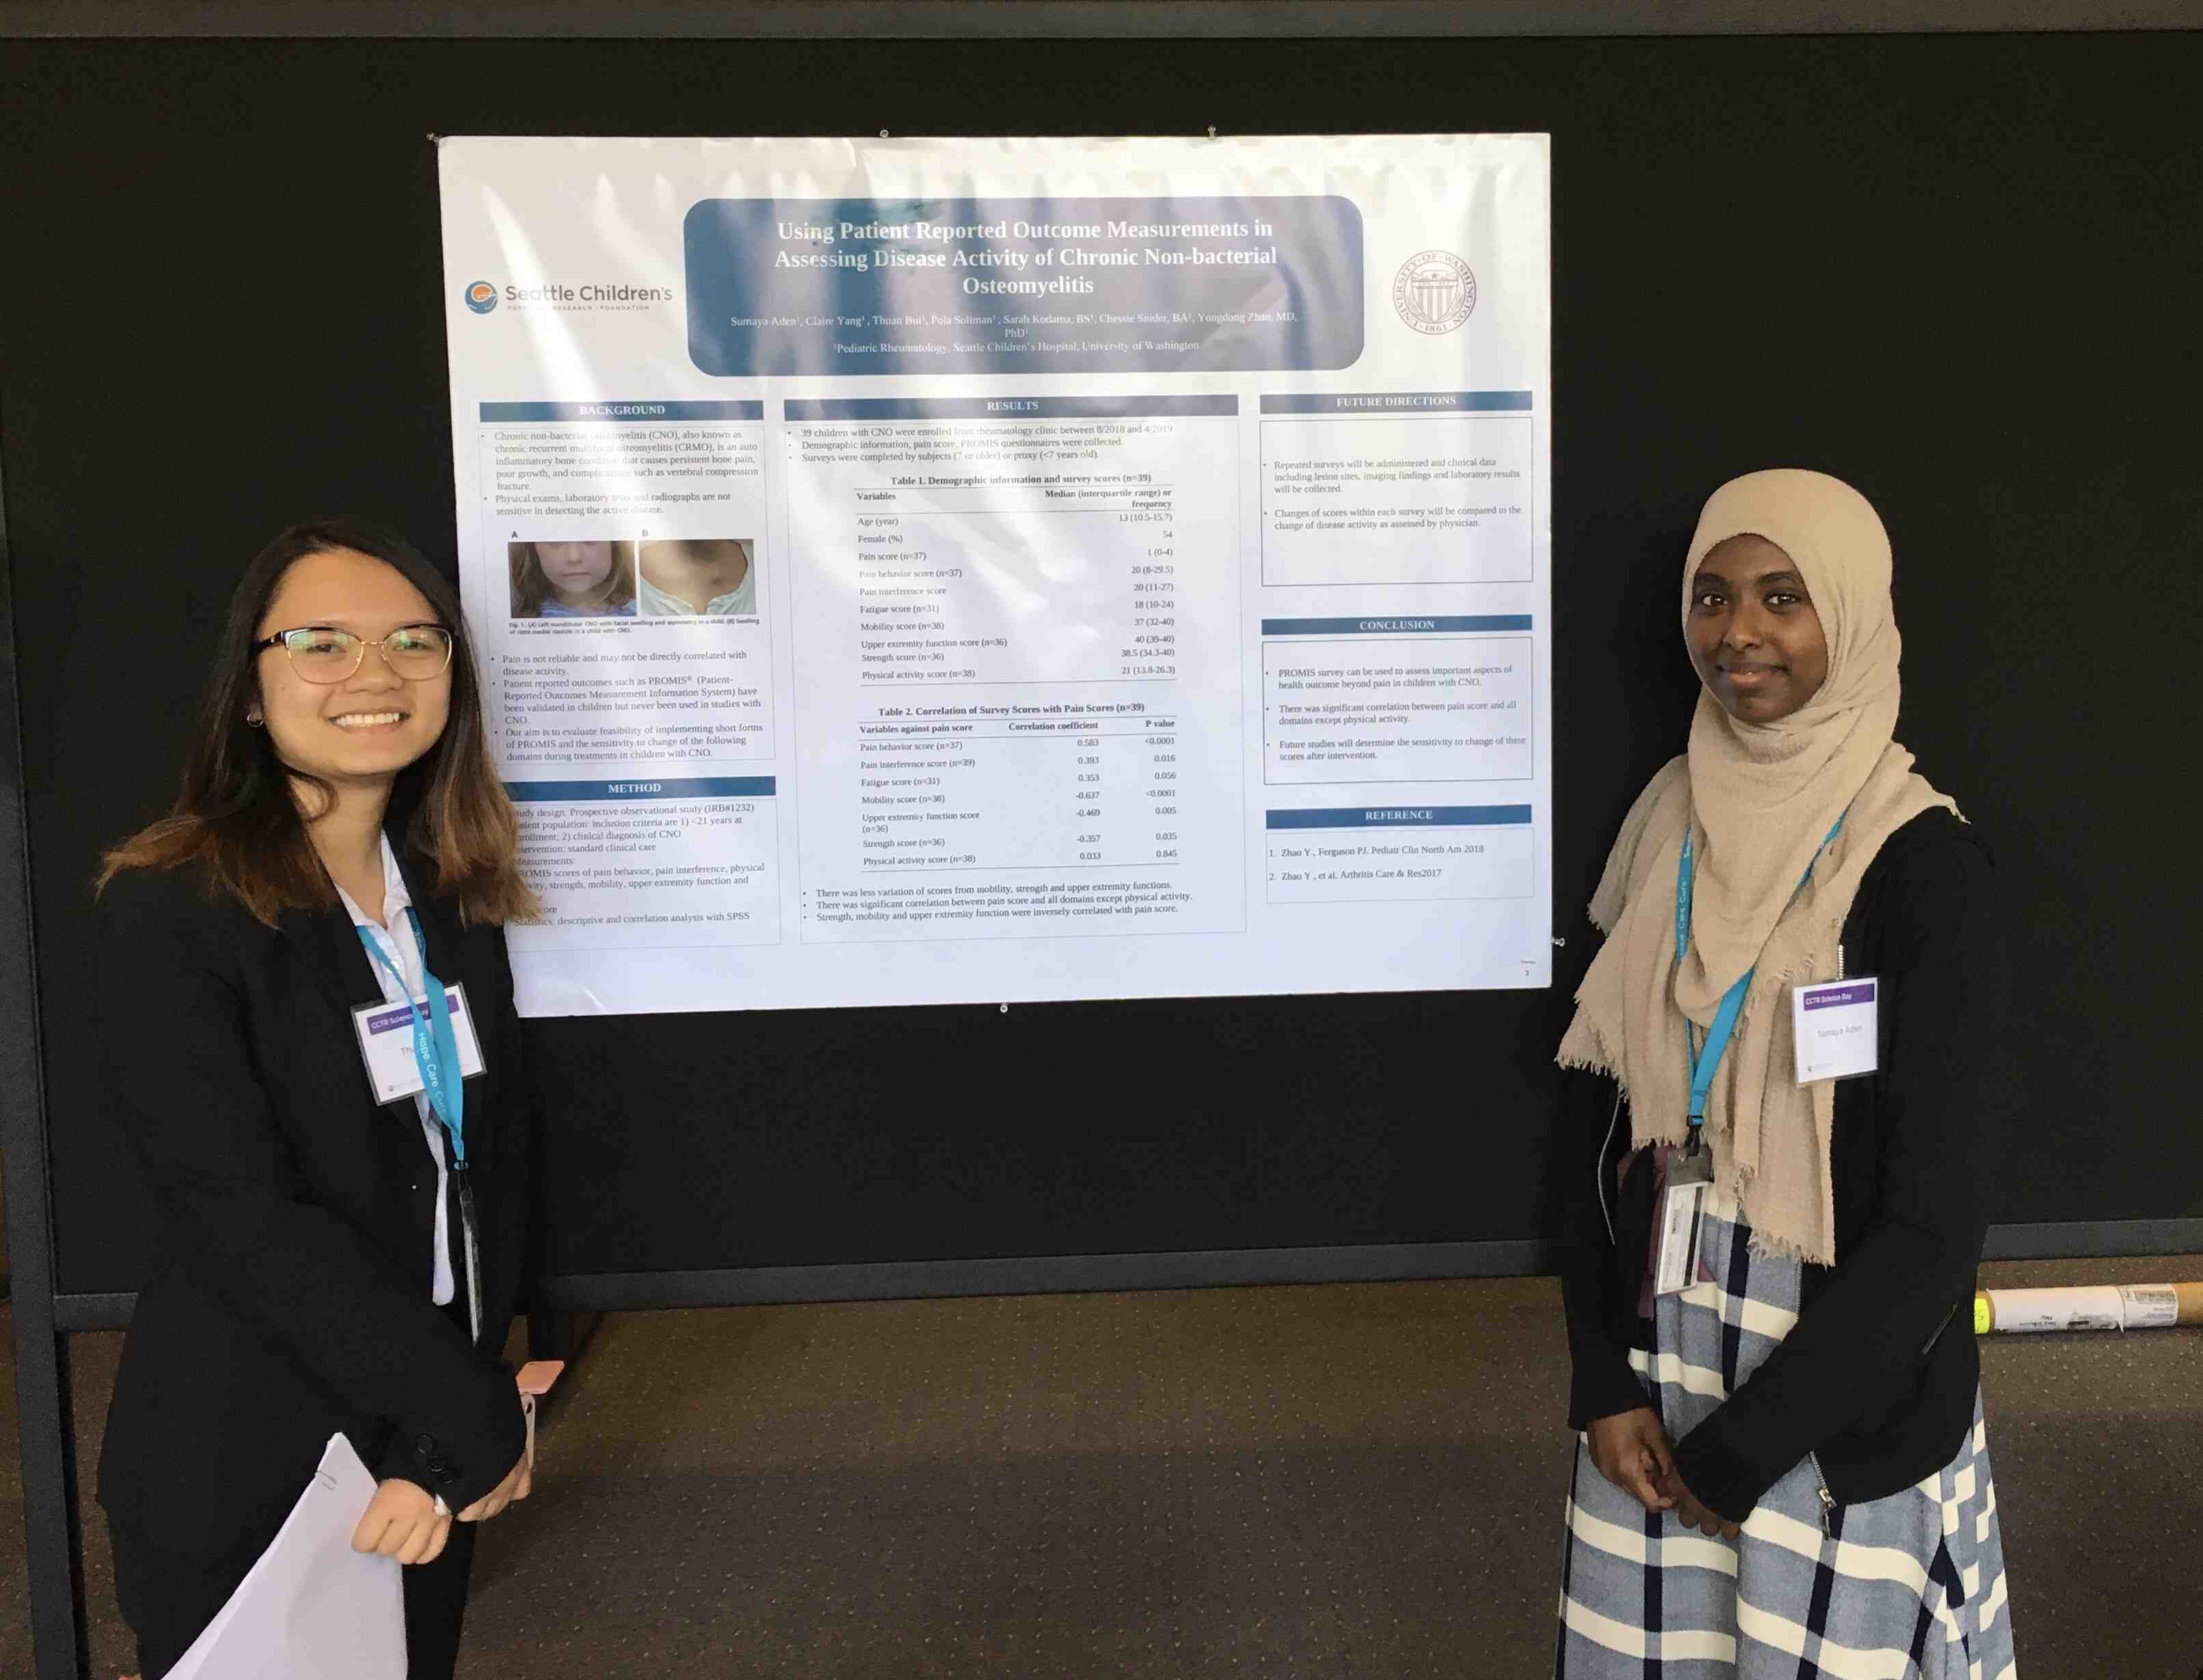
{"x": 2094, "y": 1306}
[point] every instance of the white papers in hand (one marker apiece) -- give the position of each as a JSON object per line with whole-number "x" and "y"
{"x": 312, "y": 1604}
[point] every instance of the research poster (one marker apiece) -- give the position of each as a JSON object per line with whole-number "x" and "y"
{"x": 994, "y": 570}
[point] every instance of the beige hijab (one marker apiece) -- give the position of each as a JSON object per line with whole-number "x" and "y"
{"x": 1761, "y": 797}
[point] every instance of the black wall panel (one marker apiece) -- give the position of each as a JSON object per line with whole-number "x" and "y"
{"x": 1960, "y": 271}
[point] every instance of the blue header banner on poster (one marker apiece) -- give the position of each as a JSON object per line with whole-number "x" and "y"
{"x": 640, "y": 413}
{"x": 1005, "y": 408}
{"x": 1438, "y": 623}
{"x": 1400, "y": 817}
{"x": 1023, "y": 286}
{"x": 652, "y": 788}
{"x": 1397, "y": 402}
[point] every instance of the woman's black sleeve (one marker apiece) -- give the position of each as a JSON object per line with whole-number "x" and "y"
{"x": 1600, "y": 1381}
{"x": 245, "y": 1222}
{"x": 1940, "y": 1098}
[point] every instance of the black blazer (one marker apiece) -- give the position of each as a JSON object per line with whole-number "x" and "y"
{"x": 292, "y": 1295}
{"x": 1877, "y": 1378}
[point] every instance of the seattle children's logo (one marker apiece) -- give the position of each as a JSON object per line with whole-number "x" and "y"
{"x": 481, "y": 296}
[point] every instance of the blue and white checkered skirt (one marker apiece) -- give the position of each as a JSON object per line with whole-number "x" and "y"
{"x": 1911, "y": 1585}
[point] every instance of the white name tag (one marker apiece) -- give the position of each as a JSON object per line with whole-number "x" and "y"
{"x": 1682, "y": 1224}
{"x": 1834, "y": 1025}
{"x": 386, "y": 1044}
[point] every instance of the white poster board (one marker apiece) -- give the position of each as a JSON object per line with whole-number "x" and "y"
{"x": 990, "y": 570}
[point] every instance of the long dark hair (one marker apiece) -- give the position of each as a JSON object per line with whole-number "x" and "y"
{"x": 236, "y": 815}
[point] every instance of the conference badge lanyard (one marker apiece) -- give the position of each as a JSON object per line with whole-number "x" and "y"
{"x": 1689, "y": 1169}
{"x": 436, "y": 1036}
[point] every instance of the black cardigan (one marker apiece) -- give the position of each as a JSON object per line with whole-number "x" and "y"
{"x": 1877, "y": 1378}
{"x": 292, "y": 1295}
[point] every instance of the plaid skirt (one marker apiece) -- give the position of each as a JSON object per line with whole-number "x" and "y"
{"x": 1911, "y": 1585}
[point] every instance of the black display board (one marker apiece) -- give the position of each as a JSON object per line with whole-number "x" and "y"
{"x": 1960, "y": 271}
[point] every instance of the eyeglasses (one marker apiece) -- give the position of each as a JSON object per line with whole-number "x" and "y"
{"x": 322, "y": 653}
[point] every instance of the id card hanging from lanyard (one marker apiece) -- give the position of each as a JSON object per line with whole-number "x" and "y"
{"x": 436, "y": 1055}
{"x": 1689, "y": 1169}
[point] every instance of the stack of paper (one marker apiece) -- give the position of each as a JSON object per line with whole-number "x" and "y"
{"x": 312, "y": 1604}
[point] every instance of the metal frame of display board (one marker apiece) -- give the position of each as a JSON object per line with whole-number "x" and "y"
{"x": 43, "y": 1320}
{"x": 968, "y": 19}
{"x": 53, "y": 1549}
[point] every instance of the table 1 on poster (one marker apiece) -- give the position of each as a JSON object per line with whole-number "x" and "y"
{"x": 999, "y": 570}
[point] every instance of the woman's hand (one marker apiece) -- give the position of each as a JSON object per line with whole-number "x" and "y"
{"x": 401, "y": 1522}
{"x": 1631, "y": 1451}
{"x": 1694, "y": 1515}
{"x": 519, "y": 1482}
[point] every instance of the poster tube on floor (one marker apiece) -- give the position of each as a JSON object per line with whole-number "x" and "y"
{"x": 2099, "y": 1306}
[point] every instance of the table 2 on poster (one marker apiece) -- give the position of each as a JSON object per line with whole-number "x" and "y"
{"x": 894, "y": 587}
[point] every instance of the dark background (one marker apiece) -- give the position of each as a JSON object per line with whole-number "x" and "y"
{"x": 1961, "y": 272}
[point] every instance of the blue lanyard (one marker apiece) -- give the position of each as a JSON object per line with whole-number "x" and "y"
{"x": 435, "y": 1049}
{"x": 1703, "y": 1060}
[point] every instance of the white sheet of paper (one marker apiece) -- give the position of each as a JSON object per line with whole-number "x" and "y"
{"x": 386, "y": 1040}
{"x": 1835, "y": 1026}
{"x": 1149, "y": 735}
{"x": 312, "y": 1604}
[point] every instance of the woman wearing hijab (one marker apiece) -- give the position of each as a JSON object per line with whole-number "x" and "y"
{"x": 1783, "y": 1468}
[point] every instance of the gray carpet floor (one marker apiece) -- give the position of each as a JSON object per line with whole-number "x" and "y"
{"x": 1358, "y": 1480}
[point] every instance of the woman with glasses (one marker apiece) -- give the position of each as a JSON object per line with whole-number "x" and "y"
{"x": 341, "y": 1243}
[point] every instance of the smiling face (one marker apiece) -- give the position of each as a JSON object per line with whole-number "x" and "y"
{"x": 576, "y": 571}
{"x": 366, "y": 729}
{"x": 1754, "y": 638}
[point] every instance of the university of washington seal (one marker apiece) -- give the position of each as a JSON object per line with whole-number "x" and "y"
{"x": 1434, "y": 292}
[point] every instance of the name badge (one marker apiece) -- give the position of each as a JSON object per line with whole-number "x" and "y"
{"x": 1835, "y": 1026}
{"x": 1684, "y": 1199}
{"x": 386, "y": 1044}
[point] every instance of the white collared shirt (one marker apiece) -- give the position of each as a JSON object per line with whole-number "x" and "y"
{"x": 406, "y": 955}
{"x": 656, "y": 604}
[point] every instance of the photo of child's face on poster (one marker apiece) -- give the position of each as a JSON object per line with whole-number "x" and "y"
{"x": 583, "y": 579}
